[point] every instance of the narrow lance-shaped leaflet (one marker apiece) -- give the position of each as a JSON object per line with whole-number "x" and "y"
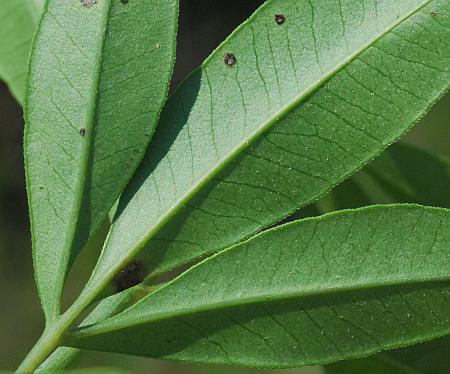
{"x": 239, "y": 150}
{"x": 314, "y": 291}
{"x": 99, "y": 76}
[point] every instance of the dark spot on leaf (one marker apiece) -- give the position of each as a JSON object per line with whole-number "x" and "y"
{"x": 279, "y": 19}
{"x": 124, "y": 1}
{"x": 433, "y": 13}
{"x": 230, "y": 59}
{"x": 82, "y": 132}
{"x": 88, "y": 3}
{"x": 41, "y": 187}
{"x": 130, "y": 276}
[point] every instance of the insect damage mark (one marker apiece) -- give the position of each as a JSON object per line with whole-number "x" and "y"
{"x": 280, "y": 19}
{"x": 83, "y": 132}
{"x": 88, "y": 3}
{"x": 124, "y": 2}
{"x": 230, "y": 59}
{"x": 433, "y": 13}
{"x": 131, "y": 275}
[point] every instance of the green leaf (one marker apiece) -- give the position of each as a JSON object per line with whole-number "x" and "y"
{"x": 403, "y": 174}
{"x": 18, "y": 19}
{"x": 314, "y": 291}
{"x": 306, "y": 104}
{"x": 98, "y": 371}
{"x": 99, "y": 75}
{"x": 430, "y": 357}
{"x": 348, "y": 195}
{"x": 370, "y": 365}
{"x": 409, "y": 174}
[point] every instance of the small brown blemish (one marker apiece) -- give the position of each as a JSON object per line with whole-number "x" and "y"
{"x": 131, "y": 275}
{"x": 88, "y": 3}
{"x": 83, "y": 132}
{"x": 124, "y": 2}
{"x": 229, "y": 59}
{"x": 433, "y": 13}
{"x": 280, "y": 19}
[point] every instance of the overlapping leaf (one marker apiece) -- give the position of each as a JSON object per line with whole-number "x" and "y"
{"x": 409, "y": 174}
{"x": 398, "y": 175}
{"x": 18, "y": 19}
{"x": 98, "y": 78}
{"x": 314, "y": 291}
{"x": 403, "y": 174}
{"x": 431, "y": 357}
{"x": 306, "y": 103}
{"x": 371, "y": 365}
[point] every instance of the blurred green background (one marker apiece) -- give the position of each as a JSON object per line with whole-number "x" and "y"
{"x": 203, "y": 25}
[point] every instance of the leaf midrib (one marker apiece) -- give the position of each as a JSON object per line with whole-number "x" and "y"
{"x": 276, "y": 117}
{"x": 82, "y": 176}
{"x": 356, "y": 286}
{"x": 108, "y": 326}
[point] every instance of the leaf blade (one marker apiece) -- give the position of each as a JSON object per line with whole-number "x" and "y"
{"x": 181, "y": 227}
{"x": 18, "y": 23}
{"x": 91, "y": 108}
{"x": 310, "y": 292}
{"x": 402, "y": 174}
{"x": 429, "y": 357}
{"x": 413, "y": 175}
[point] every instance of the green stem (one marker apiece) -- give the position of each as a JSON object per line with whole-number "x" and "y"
{"x": 46, "y": 344}
{"x": 55, "y": 333}
{"x": 51, "y": 337}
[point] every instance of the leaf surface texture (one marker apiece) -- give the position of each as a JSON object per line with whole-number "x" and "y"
{"x": 314, "y": 291}
{"x": 306, "y": 104}
{"x": 99, "y": 76}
